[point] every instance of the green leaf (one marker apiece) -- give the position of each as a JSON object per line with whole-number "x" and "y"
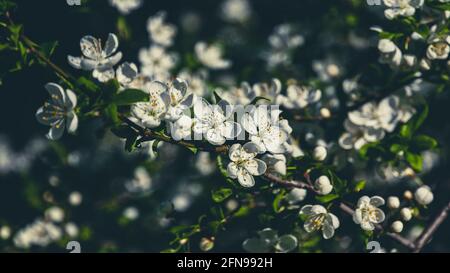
{"x": 418, "y": 121}
{"x": 327, "y": 198}
{"x": 424, "y": 142}
{"x": 85, "y": 83}
{"x": 130, "y": 96}
{"x": 360, "y": 185}
{"x": 123, "y": 131}
{"x": 112, "y": 114}
{"x": 49, "y": 48}
{"x": 406, "y": 130}
{"x": 255, "y": 100}
{"x": 221, "y": 194}
{"x": 276, "y": 204}
{"x": 396, "y": 148}
{"x": 130, "y": 143}
{"x": 415, "y": 161}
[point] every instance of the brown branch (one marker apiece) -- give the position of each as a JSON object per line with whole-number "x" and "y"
{"x": 426, "y": 235}
{"x": 147, "y": 135}
{"x": 289, "y": 183}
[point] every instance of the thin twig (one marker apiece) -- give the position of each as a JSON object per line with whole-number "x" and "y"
{"x": 426, "y": 235}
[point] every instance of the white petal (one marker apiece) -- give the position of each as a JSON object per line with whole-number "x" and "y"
{"x": 366, "y": 225}
{"x": 327, "y": 231}
{"x": 232, "y": 170}
{"x": 56, "y": 93}
{"x": 90, "y": 47}
{"x": 75, "y": 62}
{"x": 56, "y": 131}
{"x": 111, "y": 44}
{"x": 332, "y": 220}
{"x": 202, "y": 109}
{"x": 363, "y": 200}
{"x": 248, "y": 124}
{"x": 235, "y": 152}
{"x": 72, "y": 123}
{"x": 245, "y": 179}
{"x": 230, "y": 130}
{"x": 214, "y": 136}
{"x": 376, "y": 201}
{"x": 307, "y": 210}
{"x": 71, "y": 100}
{"x": 255, "y": 167}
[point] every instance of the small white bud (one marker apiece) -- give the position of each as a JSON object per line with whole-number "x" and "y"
{"x": 325, "y": 112}
{"x": 406, "y": 214}
{"x": 393, "y": 202}
{"x": 75, "y": 198}
{"x": 423, "y": 195}
{"x": 55, "y": 214}
{"x": 408, "y": 195}
{"x": 397, "y": 226}
{"x": 5, "y": 232}
{"x": 320, "y": 153}
{"x": 323, "y": 185}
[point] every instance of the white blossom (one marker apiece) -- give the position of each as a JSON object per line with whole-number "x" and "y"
{"x": 367, "y": 213}
{"x": 212, "y": 121}
{"x": 299, "y": 97}
{"x": 126, "y": 73}
{"x": 182, "y": 128}
{"x": 141, "y": 182}
{"x": 39, "y": 233}
{"x": 150, "y": 114}
{"x": 244, "y": 165}
{"x": 96, "y": 58}
{"x": 242, "y": 95}
{"x": 180, "y": 100}
{"x": 265, "y": 129}
{"x": 327, "y": 69}
{"x": 439, "y": 48}
{"x": 211, "y": 56}
{"x": 318, "y": 218}
{"x": 269, "y": 91}
{"x": 390, "y": 53}
{"x": 403, "y": 8}
{"x": 126, "y": 6}
{"x": 236, "y": 11}
{"x": 196, "y": 82}
{"x": 160, "y": 32}
{"x": 58, "y": 112}
{"x": 156, "y": 62}
{"x": 276, "y": 164}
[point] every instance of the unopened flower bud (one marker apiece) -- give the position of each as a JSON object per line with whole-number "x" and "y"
{"x": 408, "y": 195}
{"x": 323, "y": 185}
{"x": 325, "y": 113}
{"x": 206, "y": 244}
{"x": 397, "y": 226}
{"x": 423, "y": 195}
{"x": 406, "y": 214}
{"x": 320, "y": 153}
{"x": 393, "y": 202}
